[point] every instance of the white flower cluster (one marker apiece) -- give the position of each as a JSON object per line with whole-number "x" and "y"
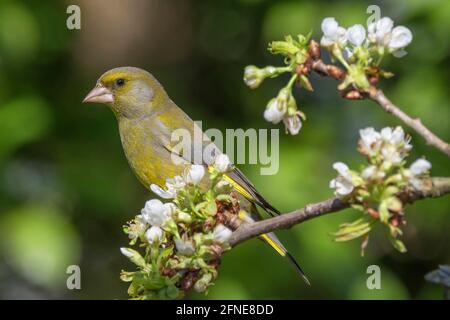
{"x": 155, "y": 215}
{"x": 385, "y": 150}
{"x": 193, "y": 176}
{"x": 343, "y": 183}
{"x": 389, "y": 146}
{"x": 381, "y": 33}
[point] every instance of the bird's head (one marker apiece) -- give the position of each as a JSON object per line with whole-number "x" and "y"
{"x": 129, "y": 91}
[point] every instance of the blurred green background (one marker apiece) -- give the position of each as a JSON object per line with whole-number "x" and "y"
{"x": 66, "y": 188}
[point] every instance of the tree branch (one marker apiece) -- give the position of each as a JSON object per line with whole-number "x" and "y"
{"x": 439, "y": 187}
{"x": 378, "y": 96}
{"x": 433, "y": 140}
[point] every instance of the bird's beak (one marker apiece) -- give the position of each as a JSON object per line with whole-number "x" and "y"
{"x": 99, "y": 94}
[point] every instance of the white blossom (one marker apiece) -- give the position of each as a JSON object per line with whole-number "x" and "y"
{"x": 221, "y": 233}
{"x": 391, "y": 154}
{"x": 172, "y": 187}
{"x": 400, "y": 37}
{"x": 384, "y": 34}
{"x": 332, "y": 33}
{"x": 380, "y": 31}
{"x": 369, "y": 140}
{"x": 419, "y": 167}
{"x": 293, "y": 124}
{"x": 154, "y": 234}
{"x": 343, "y": 184}
{"x": 369, "y": 172}
{"x": 253, "y": 76}
{"x": 155, "y": 212}
{"x": 137, "y": 227}
{"x": 222, "y": 163}
{"x": 184, "y": 247}
{"x": 356, "y": 35}
{"x": 195, "y": 174}
{"x": 397, "y": 138}
{"x": 275, "y": 111}
{"x": 392, "y": 136}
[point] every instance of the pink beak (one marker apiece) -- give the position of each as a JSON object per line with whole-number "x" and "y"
{"x": 99, "y": 94}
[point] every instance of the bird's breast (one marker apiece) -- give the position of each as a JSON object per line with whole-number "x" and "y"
{"x": 145, "y": 152}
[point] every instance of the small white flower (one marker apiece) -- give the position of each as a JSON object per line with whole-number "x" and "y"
{"x": 155, "y": 212}
{"x": 332, "y": 33}
{"x": 127, "y": 252}
{"x": 369, "y": 172}
{"x": 343, "y": 182}
{"x": 154, "y": 234}
{"x": 160, "y": 192}
{"x": 380, "y": 31}
{"x": 221, "y": 233}
{"x": 253, "y": 76}
{"x": 356, "y": 35}
{"x": 137, "y": 227}
{"x": 293, "y": 124}
{"x": 172, "y": 187}
{"x": 419, "y": 167}
{"x": 391, "y": 155}
{"x": 222, "y": 163}
{"x": 396, "y": 137}
{"x": 195, "y": 174}
{"x": 369, "y": 140}
{"x": 185, "y": 248}
{"x": 400, "y": 38}
{"x": 274, "y": 112}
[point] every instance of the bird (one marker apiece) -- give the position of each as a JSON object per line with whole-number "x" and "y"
{"x": 146, "y": 118}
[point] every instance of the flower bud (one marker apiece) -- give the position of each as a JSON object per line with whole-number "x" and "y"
{"x": 222, "y": 163}
{"x": 195, "y": 174}
{"x": 253, "y": 76}
{"x": 154, "y": 234}
{"x": 221, "y": 233}
{"x": 155, "y": 213}
{"x": 203, "y": 283}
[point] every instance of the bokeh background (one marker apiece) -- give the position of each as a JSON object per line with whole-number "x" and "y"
{"x": 66, "y": 188}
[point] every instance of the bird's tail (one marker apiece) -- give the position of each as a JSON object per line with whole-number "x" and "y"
{"x": 272, "y": 240}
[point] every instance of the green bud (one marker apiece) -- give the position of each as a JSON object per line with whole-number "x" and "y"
{"x": 184, "y": 217}
{"x": 286, "y": 48}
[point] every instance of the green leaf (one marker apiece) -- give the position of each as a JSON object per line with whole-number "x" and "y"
{"x": 399, "y": 245}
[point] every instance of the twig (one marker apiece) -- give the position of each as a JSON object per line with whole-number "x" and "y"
{"x": 439, "y": 187}
{"x": 378, "y": 96}
{"x": 433, "y": 140}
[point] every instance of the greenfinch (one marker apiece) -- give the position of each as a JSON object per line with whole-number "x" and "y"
{"x": 147, "y": 117}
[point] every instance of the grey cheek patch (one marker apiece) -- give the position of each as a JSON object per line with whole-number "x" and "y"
{"x": 143, "y": 91}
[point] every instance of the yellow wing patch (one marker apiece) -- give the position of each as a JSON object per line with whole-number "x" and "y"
{"x": 274, "y": 245}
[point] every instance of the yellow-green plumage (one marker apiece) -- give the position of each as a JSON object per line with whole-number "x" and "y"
{"x": 147, "y": 117}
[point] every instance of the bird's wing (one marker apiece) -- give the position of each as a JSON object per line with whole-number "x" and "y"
{"x": 243, "y": 185}
{"x": 203, "y": 151}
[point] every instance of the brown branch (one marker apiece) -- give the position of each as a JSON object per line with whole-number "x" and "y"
{"x": 439, "y": 187}
{"x": 433, "y": 140}
{"x": 378, "y": 96}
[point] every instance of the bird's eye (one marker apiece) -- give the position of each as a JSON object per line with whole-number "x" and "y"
{"x": 120, "y": 82}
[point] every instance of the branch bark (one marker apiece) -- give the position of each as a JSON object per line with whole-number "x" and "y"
{"x": 433, "y": 140}
{"x": 379, "y": 97}
{"x": 439, "y": 187}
